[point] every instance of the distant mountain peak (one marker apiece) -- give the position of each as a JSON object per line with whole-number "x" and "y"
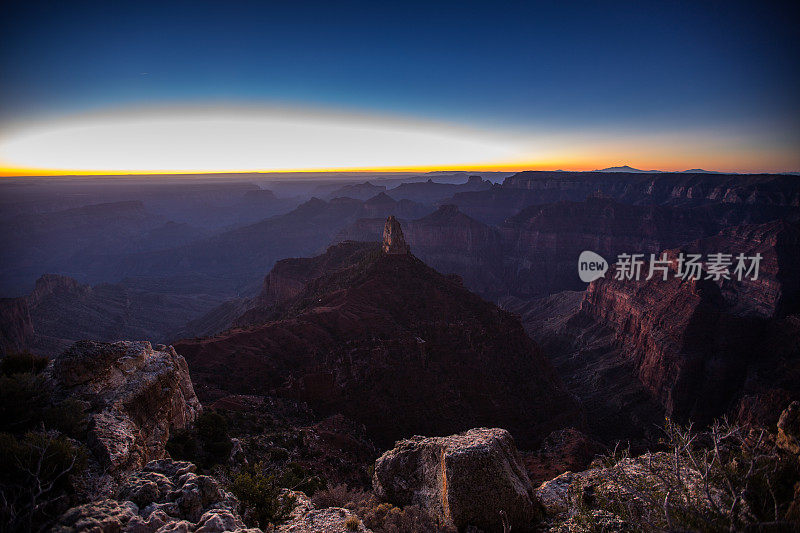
{"x": 700, "y": 171}
{"x": 625, "y": 168}
{"x": 381, "y": 197}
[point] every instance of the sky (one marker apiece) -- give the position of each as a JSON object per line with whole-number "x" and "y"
{"x": 240, "y": 86}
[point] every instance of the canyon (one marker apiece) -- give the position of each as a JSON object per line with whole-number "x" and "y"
{"x": 389, "y": 342}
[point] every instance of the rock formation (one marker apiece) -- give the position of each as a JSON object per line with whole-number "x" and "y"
{"x": 165, "y": 495}
{"x": 464, "y": 480}
{"x": 766, "y": 195}
{"x": 393, "y": 344}
{"x": 662, "y": 188}
{"x": 789, "y": 428}
{"x": 137, "y": 396}
{"x": 393, "y": 241}
{"x": 288, "y": 278}
{"x": 449, "y": 241}
{"x": 697, "y": 339}
{"x": 430, "y": 192}
{"x": 697, "y": 349}
{"x": 305, "y": 518}
{"x": 60, "y": 311}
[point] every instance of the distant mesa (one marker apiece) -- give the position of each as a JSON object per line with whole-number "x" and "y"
{"x": 626, "y": 168}
{"x": 394, "y": 243}
{"x": 700, "y": 171}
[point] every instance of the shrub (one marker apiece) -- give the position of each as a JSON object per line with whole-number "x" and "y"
{"x": 23, "y": 401}
{"x": 352, "y": 523}
{"x": 380, "y": 517}
{"x": 183, "y": 445}
{"x": 212, "y": 426}
{"x": 22, "y": 362}
{"x": 729, "y": 478}
{"x": 206, "y": 445}
{"x": 386, "y": 518}
{"x": 68, "y": 416}
{"x": 296, "y": 477}
{"x": 34, "y": 481}
{"x": 339, "y": 496}
{"x": 26, "y": 403}
{"x": 212, "y": 429}
{"x": 261, "y": 496}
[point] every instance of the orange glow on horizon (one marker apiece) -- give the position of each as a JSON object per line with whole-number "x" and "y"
{"x": 235, "y": 140}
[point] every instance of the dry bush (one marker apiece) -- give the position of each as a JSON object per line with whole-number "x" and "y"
{"x": 729, "y": 478}
{"x": 339, "y": 496}
{"x": 35, "y": 478}
{"x": 380, "y": 517}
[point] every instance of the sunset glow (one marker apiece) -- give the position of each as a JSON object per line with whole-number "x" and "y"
{"x": 262, "y": 139}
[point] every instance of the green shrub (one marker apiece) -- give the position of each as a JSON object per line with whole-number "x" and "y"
{"x": 22, "y": 362}
{"x": 261, "y": 496}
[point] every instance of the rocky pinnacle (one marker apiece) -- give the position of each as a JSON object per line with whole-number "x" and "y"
{"x": 393, "y": 240}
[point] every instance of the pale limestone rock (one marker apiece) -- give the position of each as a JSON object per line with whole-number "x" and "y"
{"x": 463, "y": 480}
{"x": 136, "y": 395}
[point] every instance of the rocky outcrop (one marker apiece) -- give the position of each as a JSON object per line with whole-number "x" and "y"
{"x": 469, "y": 479}
{"x": 392, "y": 344}
{"x": 393, "y": 240}
{"x": 305, "y": 518}
{"x": 165, "y": 495}
{"x": 288, "y": 278}
{"x": 449, "y": 241}
{"x": 136, "y": 394}
{"x": 563, "y": 450}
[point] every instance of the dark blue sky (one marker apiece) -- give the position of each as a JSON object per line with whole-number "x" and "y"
{"x": 566, "y": 64}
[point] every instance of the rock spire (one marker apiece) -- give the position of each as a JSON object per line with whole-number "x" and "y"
{"x": 393, "y": 240}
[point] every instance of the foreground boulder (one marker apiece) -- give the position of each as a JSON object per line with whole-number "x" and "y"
{"x": 164, "y": 496}
{"x": 469, "y": 479}
{"x": 136, "y": 396}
